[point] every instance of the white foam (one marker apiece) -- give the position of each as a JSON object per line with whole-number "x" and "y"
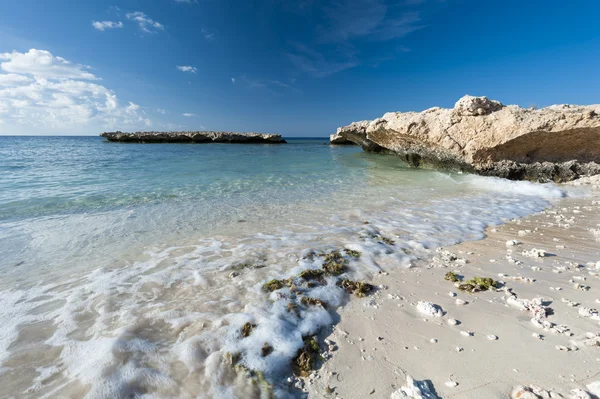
{"x": 127, "y": 329}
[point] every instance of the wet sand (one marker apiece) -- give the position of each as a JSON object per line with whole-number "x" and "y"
{"x": 495, "y": 346}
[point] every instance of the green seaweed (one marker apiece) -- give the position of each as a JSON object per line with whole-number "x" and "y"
{"x": 451, "y": 276}
{"x": 308, "y": 301}
{"x": 477, "y": 284}
{"x": 304, "y": 361}
{"x": 257, "y": 378}
{"x": 357, "y": 288}
{"x": 275, "y": 285}
{"x": 334, "y": 263}
{"x": 247, "y": 329}
{"x": 311, "y": 274}
{"x": 353, "y": 253}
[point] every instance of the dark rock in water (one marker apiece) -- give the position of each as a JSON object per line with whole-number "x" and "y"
{"x": 542, "y": 172}
{"x": 193, "y": 137}
{"x": 557, "y": 143}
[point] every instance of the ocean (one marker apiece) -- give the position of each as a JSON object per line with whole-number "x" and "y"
{"x": 128, "y": 270}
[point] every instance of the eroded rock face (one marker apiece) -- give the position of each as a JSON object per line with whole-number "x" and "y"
{"x": 193, "y": 137}
{"x": 483, "y": 135}
{"x": 337, "y": 138}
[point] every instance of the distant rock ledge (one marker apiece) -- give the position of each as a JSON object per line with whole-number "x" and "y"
{"x": 557, "y": 143}
{"x": 193, "y": 137}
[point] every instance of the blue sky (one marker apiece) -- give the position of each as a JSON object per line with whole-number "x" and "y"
{"x": 300, "y": 68}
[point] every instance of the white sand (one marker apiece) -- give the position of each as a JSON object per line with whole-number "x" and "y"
{"x": 383, "y": 338}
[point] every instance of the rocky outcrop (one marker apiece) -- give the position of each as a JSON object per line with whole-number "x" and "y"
{"x": 193, "y": 137}
{"x": 337, "y": 138}
{"x": 560, "y": 142}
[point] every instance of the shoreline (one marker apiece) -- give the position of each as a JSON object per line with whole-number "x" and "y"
{"x": 383, "y": 339}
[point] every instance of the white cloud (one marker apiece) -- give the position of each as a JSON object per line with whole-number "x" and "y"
{"x": 43, "y": 92}
{"x": 42, "y": 64}
{"x": 145, "y": 23}
{"x": 161, "y": 111}
{"x": 232, "y": 80}
{"x": 187, "y": 68}
{"x": 103, "y": 25}
{"x": 12, "y": 79}
{"x": 188, "y": 115}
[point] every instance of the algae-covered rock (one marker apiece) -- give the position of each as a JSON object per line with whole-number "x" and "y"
{"x": 353, "y": 253}
{"x": 357, "y": 288}
{"x": 275, "y": 285}
{"x": 311, "y": 274}
{"x": 308, "y": 301}
{"x": 266, "y": 350}
{"x": 451, "y": 276}
{"x": 477, "y": 284}
{"x": 334, "y": 263}
{"x": 304, "y": 361}
{"x": 247, "y": 329}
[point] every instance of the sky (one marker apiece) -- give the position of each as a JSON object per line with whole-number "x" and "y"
{"x": 294, "y": 67}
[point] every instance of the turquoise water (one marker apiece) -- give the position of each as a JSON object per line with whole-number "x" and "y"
{"x": 116, "y": 259}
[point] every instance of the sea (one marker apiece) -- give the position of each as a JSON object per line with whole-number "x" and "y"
{"x": 129, "y": 270}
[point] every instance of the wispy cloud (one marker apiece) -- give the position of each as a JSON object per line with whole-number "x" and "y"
{"x": 186, "y": 1}
{"x": 145, "y": 23}
{"x": 188, "y": 114}
{"x": 342, "y": 27}
{"x": 161, "y": 111}
{"x": 104, "y": 25}
{"x": 207, "y": 34}
{"x": 271, "y": 85}
{"x": 187, "y": 68}
{"x": 315, "y": 63}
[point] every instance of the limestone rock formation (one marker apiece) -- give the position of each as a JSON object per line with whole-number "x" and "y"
{"x": 193, "y": 137}
{"x": 337, "y": 138}
{"x": 560, "y": 142}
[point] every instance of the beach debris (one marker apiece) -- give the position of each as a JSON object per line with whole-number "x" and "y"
{"x": 594, "y": 388}
{"x": 460, "y": 302}
{"x": 520, "y": 279}
{"x": 522, "y": 233}
{"x": 477, "y": 284}
{"x": 538, "y": 336}
{"x": 570, "y": 303}
{"x": 451, "y": 384}
{"x": 536, "y": 268}
{"x": 258, "y": 380}
{"x": 357, "y": 288}
{"x": 589, "y": 339}
{"x": 533, "y": 392}
{"x": 512, "y": 243}
{"x": 429, "y": 309}
{"x": 247, "y": 329}
{"x": 492, "y": 337}
{"x": 305, "y": 358}
{"x": 579, "y": 393}
{"x": 414, "y": 390}
{"x": 433, "y": 340}
{"x": 581, "y": 287}
{"x": 452, "y": 294}
{"x": 452, "y": 322}
{"x": 234, "y": 274}
{"x": 466, "y": 333}
{"x": 377, "y": 237}
{"x": 588, "y": 312}
{"x": 459, "y": 349}
{"x": 535, "y": 253}
{"x": 451, "y": 276}
{"x": 512, "y": 260}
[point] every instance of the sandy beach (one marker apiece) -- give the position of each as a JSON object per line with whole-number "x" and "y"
{"x": 493, "y": 346}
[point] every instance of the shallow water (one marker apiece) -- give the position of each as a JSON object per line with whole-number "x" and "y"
{"x": 115, "y": 259}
